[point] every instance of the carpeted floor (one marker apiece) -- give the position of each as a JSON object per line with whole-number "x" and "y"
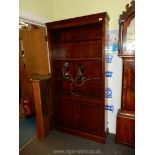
{"x": 58, "y": 143}
{"x": 27, "y": 130}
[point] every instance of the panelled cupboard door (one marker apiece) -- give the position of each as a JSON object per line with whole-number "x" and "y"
{"x": 81, "y": 116}
{"x": 65, "y": 114}
{"x": 125, "y": 130}
{"x": 91, "y": 118}
{"x": 128, "y": 98}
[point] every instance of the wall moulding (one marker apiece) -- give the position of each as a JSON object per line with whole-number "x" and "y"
{"x": 32, "y": 18}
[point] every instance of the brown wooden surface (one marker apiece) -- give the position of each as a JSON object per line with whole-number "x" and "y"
{"x": 78, "y": 21}
{"x": 24, "y": 68}
{"x": 66, "y": 114}
{"x": 43, "y": 106}
{"x": 91, "y": 118}
{"x": 128, "y": 89}
{"x": 39, "y": 53}
{"x": 79, "y": 41}
{"x": 38, "y": 110}
{"x": 35, "y": 48}
{"x": 125, "y": 131}
{"x": 47, "y": 106}
{"x": 80, "y": 115}
{"x": 128, "y": 80}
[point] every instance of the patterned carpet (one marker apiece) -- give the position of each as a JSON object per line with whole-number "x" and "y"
{"x": 27, "y": 130}
{"x": 58, "y": 143}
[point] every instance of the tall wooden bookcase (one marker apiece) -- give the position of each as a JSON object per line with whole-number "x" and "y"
{"x": 77, "y": 56}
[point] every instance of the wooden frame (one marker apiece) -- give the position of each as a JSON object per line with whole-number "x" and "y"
{"x": 124, "y": 20}
{"x": 125, "y": 129}
{"x": 79, "y": 110}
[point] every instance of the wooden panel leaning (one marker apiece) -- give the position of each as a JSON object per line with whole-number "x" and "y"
{"x": 43, "y": 104}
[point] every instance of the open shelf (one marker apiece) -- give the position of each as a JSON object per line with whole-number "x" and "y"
{"x": 75, "y": 50}
{"x": 78, "y": 59}
{"x": 79, "y": 40}
{"x": 78, "y": 67}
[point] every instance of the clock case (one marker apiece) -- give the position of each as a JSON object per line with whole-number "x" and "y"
{"x": 125, "y": 125}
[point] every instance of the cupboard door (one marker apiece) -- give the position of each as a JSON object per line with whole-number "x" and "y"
{"x": 128, "y": 99}
{"x": 125, "y": 130}
{"x": 65, "y": 114}
{"x": 91, "y": 118}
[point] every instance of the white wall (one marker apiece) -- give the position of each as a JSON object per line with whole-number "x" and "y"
{"x": 115, "y": 84}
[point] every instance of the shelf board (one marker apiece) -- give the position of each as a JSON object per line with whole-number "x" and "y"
{"x": 84, "y": 98}
{"x": 78, "y": 40}
{"x": 77, "y": 59}
{"x": 62, "y": 79}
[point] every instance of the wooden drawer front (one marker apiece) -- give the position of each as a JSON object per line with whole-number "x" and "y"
{"x": 91, "y": 118}
{"x": 125, "y": 130}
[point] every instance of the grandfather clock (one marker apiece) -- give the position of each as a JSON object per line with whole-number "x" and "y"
{"x": 125, "y": 129}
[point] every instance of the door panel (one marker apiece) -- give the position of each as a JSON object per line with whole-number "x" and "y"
{"x": 125, "y": 130}
{"x": 39, "y": 53}
{"x": 128, "y": 98}
{"x": 91, "y": 118}
{"x": 66, "y": 114}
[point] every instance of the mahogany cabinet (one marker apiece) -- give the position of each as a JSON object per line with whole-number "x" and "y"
{"x": 77, "y": 58}
{"x": 125, "y": 129}
{"x": 82, "y": 117}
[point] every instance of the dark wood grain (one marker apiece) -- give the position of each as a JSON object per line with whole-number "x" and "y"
{"x": 77, "y": 41}
{"x": 125, "y": 131}
{"x": 91, "y": 118}
{"x": 24, "y": 67}
{"x": 128, "y": 88}
{"x": 43, "y": 106}
{"x": 84, "y": 20}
